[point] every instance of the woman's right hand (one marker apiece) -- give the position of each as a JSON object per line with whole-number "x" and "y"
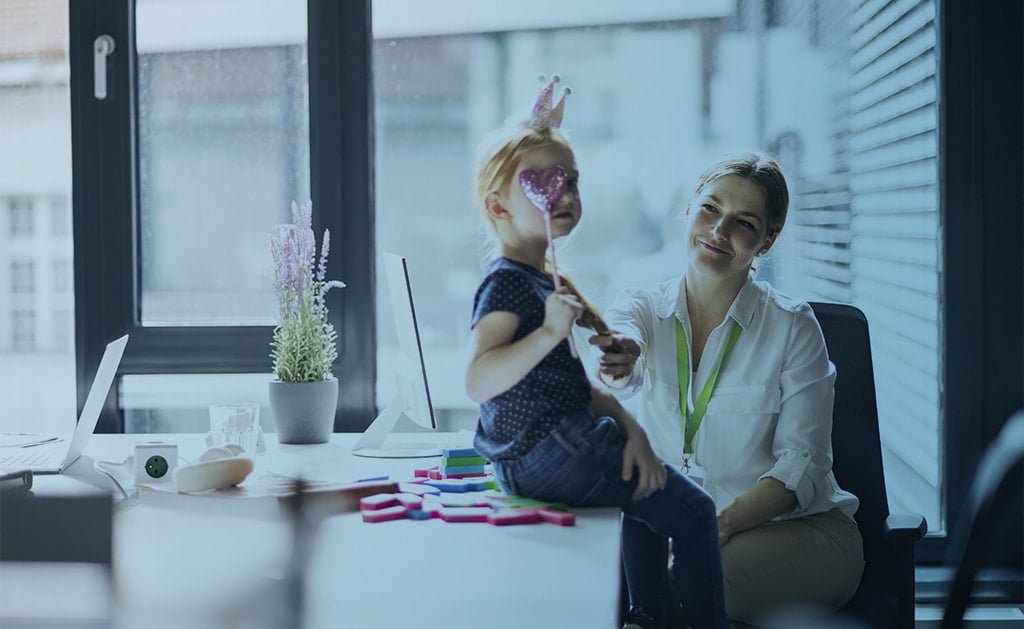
{"x": 620, "y": 354}
{"x": 560, "y": 311}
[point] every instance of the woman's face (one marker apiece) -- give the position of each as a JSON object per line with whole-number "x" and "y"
{"x": 727, "y": 226}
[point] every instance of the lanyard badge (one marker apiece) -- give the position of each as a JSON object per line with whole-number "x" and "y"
{"x": 691, "y": 420}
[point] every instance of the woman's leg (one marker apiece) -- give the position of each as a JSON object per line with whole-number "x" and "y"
{"x": 813, "y": 560}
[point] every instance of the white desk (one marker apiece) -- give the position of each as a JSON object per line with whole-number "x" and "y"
{"x": 176, "y": 567}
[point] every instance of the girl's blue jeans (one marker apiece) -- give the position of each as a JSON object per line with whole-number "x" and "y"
{"x": 580, "y": 464}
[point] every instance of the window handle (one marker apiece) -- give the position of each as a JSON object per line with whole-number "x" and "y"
{"x": 102, "y": 47}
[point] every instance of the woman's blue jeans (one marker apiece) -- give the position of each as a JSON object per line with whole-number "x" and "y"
{"x": 580, "y": 464}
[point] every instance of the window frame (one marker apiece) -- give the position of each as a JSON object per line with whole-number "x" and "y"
{"x": 105, "y": 175}
{"x": 981, "y": 145}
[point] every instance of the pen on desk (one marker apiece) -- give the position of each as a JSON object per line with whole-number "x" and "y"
{"x": 371, "y": 478}
{"x": 39, "y": 443}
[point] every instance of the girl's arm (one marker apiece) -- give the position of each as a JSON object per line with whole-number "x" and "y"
{"x": 497, "y": 363}
{"x": 767, "y": 499}
{"x": 651, "y": 472}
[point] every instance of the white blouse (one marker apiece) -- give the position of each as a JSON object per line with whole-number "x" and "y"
{"x": 770, "y": 413}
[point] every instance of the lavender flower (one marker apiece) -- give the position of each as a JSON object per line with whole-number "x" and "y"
{"x": 321, "y": 271}
{"x": 304, "y": 340}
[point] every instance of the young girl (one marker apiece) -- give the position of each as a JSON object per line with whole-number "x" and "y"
{"x": 548, "y": 432}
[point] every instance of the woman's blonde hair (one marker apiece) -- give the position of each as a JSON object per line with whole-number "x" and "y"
{"x": 498, "y": 165}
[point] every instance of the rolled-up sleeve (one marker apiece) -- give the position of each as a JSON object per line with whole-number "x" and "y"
{"x": 628, "y": 316}
{"x": 802, "y": 445}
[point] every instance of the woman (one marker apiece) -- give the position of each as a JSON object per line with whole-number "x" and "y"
{"x": 756, "y": 425}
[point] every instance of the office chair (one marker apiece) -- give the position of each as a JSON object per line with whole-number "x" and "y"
{"x": 989, "y": 494}
{"x": 885, "y": 597}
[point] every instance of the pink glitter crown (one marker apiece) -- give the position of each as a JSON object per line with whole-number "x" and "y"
{"x": 545, "y": 112}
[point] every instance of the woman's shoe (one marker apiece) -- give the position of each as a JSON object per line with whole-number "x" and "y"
{"x": 637, "y": 618}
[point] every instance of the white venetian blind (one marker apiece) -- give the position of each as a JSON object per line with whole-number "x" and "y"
{"x": 894, "y": 225}
{"x": 864, "y": 224}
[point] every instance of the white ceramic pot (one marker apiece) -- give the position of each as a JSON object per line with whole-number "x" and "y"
{"x": 304, "y": 411}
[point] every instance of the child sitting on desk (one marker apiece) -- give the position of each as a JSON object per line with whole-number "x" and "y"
{"x": 548, "y": 432}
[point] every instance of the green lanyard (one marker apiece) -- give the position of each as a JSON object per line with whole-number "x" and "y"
{"x": 691, "y": 421}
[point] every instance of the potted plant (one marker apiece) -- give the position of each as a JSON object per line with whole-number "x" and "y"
{"x": 304, "y": 391}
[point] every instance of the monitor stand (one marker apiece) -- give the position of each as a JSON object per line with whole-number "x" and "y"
{"x": 371, "y": 443}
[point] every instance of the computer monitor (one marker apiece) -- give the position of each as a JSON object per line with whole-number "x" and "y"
{"x": 412, "y": 399}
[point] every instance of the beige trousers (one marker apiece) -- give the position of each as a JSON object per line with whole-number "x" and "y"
{"x": 815, "y": 560}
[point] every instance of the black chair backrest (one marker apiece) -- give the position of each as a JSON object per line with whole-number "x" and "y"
{"x": 856, "y": 446}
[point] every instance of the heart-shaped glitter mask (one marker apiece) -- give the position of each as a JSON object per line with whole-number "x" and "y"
{"x": 543, "y": 187}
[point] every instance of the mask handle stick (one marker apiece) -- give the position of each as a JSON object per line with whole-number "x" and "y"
{"x": 557, "y": 279}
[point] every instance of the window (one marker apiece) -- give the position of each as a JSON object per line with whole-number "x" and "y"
{"x": 23, "y": 280}
{"x": 222, "y": 130}
{"x": 846, "y": 93}
{"x": 61, "y": 275}
{"x": 223, "y": 151}
{"x": 23, "y": 331}
{"x": 20, "y": 223}
{"x": 845, "y": 99}
{"x": 60, "y": 217}
{"x": 62, "y": 327}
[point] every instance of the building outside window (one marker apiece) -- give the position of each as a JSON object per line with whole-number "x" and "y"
{"x": 23, "y": 280}
{"x": 37, "y": 319}
{"x": 60, "y": 273}
{"x": 60, "y": 216}
{"x": 20, "y": 217}
{"x": 61, "y": 326}
{"x": 23, "y": 331}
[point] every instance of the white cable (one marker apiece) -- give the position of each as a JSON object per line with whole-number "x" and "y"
{"x": 114, "y": 466}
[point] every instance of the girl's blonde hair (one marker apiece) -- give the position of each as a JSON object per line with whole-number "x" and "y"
{"x": 497, "y": 167}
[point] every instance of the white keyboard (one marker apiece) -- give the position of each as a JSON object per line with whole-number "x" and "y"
{"x": 31, "y": 457}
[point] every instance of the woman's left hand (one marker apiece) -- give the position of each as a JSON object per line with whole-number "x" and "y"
{"x": 620, "y": 354}
{"x": 651, "y": 472}
{"x": 723, "y": 535}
